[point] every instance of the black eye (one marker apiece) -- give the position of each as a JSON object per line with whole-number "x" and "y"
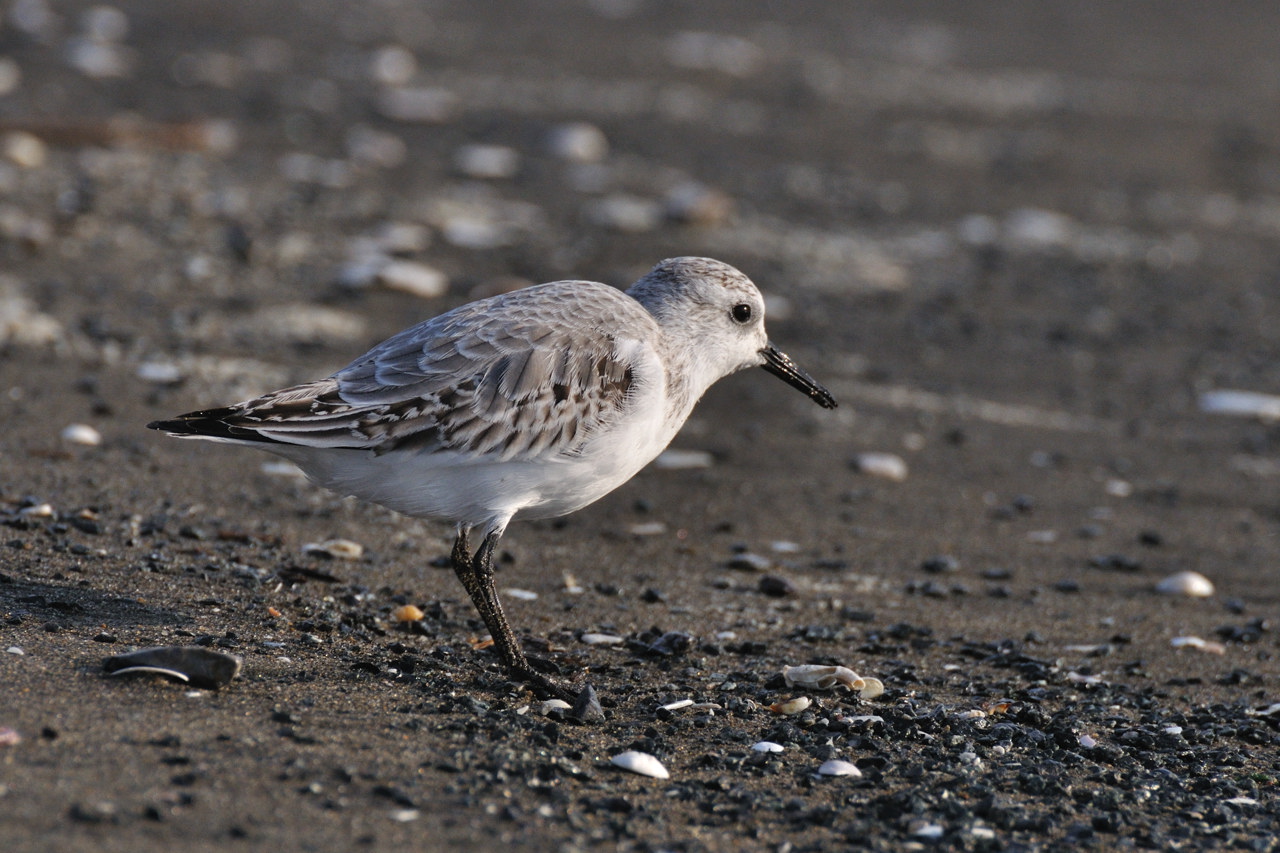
{"x": 741, "y": 313}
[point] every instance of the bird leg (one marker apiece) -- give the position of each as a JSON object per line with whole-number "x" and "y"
{"x": 476, "y": 573}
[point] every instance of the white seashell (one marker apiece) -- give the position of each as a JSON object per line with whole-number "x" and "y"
{"x": 640, "y": 762}
{"x": 837, "y": 767}
{"x": 871, "y": 688}
{"x": 791, "y": 707}
{"x": 822, "y": 677}
{"x": 931, "y": 831}
{"x": 554, "y": 704}
{"x": 676, "y": 706}
{"x": 887, "y": 466}
{"x": 1190, "y": 642}
{"x": 339, "y": 549}
{"x": 594, "y": 639}
{"x": 404, "y": 815}
{"x": 1190, "y": 584}
{"x": 37, "y": 511}
{"x": 1087, "y": 742}
{"x": 767, "y": 746}
{"x": 520, "y": 594}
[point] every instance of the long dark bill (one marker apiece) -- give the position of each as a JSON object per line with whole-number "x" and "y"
{"x": 780, "y": 364}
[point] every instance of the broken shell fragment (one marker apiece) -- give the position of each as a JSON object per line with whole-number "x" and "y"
{"x": 791, "y": 707}
{"x": 822, "y": 677}
{"x": 838, "y": 767}
{"x": 338, "y": 549}
{"x": 872, "y": 688}
{"x": 640, "y": 762}
{"x": 194, "y": 664}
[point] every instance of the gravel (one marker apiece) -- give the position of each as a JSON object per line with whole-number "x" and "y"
{"x": 1034, "y": 263}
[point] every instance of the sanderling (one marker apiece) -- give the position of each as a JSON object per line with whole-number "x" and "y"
{"x": 532, "y": 403}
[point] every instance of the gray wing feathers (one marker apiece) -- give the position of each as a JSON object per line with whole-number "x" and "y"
{"x": 533, "y": 372}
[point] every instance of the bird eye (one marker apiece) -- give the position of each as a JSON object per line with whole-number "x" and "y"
{"x": 741, "y": 313}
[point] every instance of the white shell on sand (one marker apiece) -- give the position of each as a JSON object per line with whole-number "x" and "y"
{"x": 640, "y": 762}
{"x": 1191, "y": 584}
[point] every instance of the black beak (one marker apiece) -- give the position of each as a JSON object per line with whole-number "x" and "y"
{"x": 780, "y": 365}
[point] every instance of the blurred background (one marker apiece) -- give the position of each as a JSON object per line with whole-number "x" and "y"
{"x": 950, "y": 194}
{"x": 1032, "y": 248}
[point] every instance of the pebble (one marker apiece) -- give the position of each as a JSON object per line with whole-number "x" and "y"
{"x": 392, "y": 65}
{"x": 487, "y": 161}
{"x": 414, "y": 278}
{"x": 82, "y": 434}
{"x": 21, "y": 323}
{"x": 407, "y": 613}
{"x": 697, "y": 204}
{"x": 1252, "y": 404}
{"x": 679, "y": 460}
{"x": 707, "y": 51}
{"x": 767, "y": 746}
{"x": 1190, "y": 584}
{"x": 159, "y": 372}
{"x": 10, "y": 75}
{"x": 749, "y": 562}
{"x": 195, "y": 664}
{"x": 640, "y": 762}
{"x": 578, "y": 142}
{"x": 776, "y": 586}
{"x": 887, "y": 466}
{"x": 24, "y": 149}
{"x": 647, "y": 528}
{"x": 839, "y": 767}
{"x": 625, "y": 213}
{"x": 422, "y": 105}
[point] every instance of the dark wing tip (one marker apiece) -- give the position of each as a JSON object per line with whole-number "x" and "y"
{"x": 210, "y": 423}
